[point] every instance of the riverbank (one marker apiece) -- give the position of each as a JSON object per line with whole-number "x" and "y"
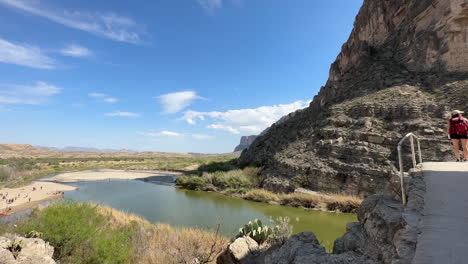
{"x": 105, "y": 174}
{"x": 246, "y": 184}
{"x": 16, "y": 199}
{"x": 88, "y": 233}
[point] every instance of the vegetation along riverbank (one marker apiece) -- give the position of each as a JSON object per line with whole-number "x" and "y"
{"x": 228, "y": 179}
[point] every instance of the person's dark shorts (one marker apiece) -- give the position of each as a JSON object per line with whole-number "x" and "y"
{"x": 455, "y": 136}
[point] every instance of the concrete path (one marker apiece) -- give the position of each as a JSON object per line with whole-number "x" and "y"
{"x": 444, "y": 228}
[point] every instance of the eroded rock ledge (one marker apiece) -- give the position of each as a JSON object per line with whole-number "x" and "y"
{"x": 20, "y": 250}
{"x": 386, "y": 233}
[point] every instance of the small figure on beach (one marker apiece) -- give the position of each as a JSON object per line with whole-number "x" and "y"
{"x": 457, "y": 131}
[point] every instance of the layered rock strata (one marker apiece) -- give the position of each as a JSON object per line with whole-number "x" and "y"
{"x": 404, "y": 67}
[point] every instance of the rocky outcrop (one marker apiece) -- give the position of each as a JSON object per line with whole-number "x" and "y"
{"x": 403, "y": 68}
{"x": 16, "y": 250}
{"x": 245, "y": 143}
{"x": 386, "y": 233}
{"x": 302, "y": 248}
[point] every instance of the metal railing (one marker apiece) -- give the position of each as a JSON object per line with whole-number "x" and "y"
{"x": 411, "y": 136}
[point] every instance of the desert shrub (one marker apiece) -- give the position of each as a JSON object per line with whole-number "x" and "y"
{"x": 215, "y": 166}
{"x": 282, "y": 230}
{"x": 301, "y": 200}
{"x": 192, "y": 182}
{"x": 232, "y": 179}
{"x": 80, "y": 234}
{"x": 4, "y": 175}
{"x": 342, "y": 203}
{"x": 261, "y": 195}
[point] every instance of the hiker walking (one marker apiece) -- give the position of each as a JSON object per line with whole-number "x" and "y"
{"x": 458, "y": 132}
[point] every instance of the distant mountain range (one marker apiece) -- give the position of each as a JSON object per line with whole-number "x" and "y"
{"x": 84, "y": 149}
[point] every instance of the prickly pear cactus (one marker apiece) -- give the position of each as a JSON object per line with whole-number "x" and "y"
{"x": 256, "y": 231}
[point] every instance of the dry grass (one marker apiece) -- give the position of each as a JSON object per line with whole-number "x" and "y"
{"x": 328, "y": 201}
{"x": 161, "y": 243}
{"x": 165, "y": 244}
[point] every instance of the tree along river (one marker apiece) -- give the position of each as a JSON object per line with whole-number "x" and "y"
{"x": 167, "y": 204}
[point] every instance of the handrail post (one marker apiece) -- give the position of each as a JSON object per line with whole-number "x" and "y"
{"x": 419, "y": 151}
{"x": 413, "y": 153}
{"x": 402, "y": 174}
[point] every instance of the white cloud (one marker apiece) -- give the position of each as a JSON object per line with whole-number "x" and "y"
{"x": 103, "y": 97}
{"x": 210, "y": 6}
{"x": 24, "y": 55}
{"x": 27, "y": 94}
{"x": 247, "y": 121}
{"x": 201, "y": 136}
{"x": 97, "y": 95}
{"x": 175, "y": 102}
{"x": 74, "y": 50}
{"x": 111, "y": 100}
{"x": 123, "y": 114}
{"x": 164, "y": 133}
{"x": 106, "y": 25}
{"x": 167, "y": 133}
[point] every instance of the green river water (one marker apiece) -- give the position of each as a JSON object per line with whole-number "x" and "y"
{"x": 167, "y": 204}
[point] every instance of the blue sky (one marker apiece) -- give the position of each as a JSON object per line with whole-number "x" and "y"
{"x": 164, "y": 75}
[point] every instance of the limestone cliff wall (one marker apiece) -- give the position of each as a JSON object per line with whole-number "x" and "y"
{"x": 404, "y": 67}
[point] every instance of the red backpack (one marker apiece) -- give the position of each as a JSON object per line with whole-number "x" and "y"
{"x": 459, "y": 126}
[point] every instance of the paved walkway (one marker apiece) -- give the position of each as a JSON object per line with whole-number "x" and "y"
{"x": 444, "y": 229}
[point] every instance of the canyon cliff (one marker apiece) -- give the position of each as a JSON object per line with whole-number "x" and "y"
{"x": 245, "y": 143}
{"x": 403, "y": 68}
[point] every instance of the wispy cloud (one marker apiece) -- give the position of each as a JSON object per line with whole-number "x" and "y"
{"x": 24, "y": 55}
{"x": 201, "y": 136}
{"x": 123, "y": 114}
{"x": 210, "y": 6}
{"x": 74, "y": 50}
{"x": 96, "y": 95}
{"x": 167, "y": 133}
{"x": 106, "y": 25}
{"x": 164, "y": 133}
{"x": 111, "y": 100}
{"x": 248, "y": 121}
{"x": 27, "y": 94}
{"x": 103, "y": 97}
{"x": 175, "y": 102}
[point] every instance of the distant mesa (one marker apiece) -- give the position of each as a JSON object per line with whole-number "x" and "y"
{"x": 245, "y": 143}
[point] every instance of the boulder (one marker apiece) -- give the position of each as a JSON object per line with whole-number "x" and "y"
{"x": 30, "y": 250}
{"x": 241, "y": 251}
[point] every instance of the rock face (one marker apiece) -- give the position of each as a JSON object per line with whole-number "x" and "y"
{"x": 32, "y": 250}
{"x": 245, "y": 143}
{"x": 386, "y": 233}
{"x": 403, "y": 68}
{"x": 302, "y": 248}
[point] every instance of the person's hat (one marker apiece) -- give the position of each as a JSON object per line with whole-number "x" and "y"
{"x": 457, "y": 112}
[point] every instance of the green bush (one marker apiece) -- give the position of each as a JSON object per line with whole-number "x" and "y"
{"x": 219, "y": 166}
{"x": 4, "y": 175}
{"x": 192, "y": 182}
{"x": 80, "y": 234}
{"x": 232, "y": 179}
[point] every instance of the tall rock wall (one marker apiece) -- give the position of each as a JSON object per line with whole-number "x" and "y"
{"x": 245, "y": 143}
{"x": 404, "y": 67}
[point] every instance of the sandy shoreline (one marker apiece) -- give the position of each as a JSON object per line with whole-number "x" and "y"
{"x": 17, "y": 199}
{"x": 105, "y": 174}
